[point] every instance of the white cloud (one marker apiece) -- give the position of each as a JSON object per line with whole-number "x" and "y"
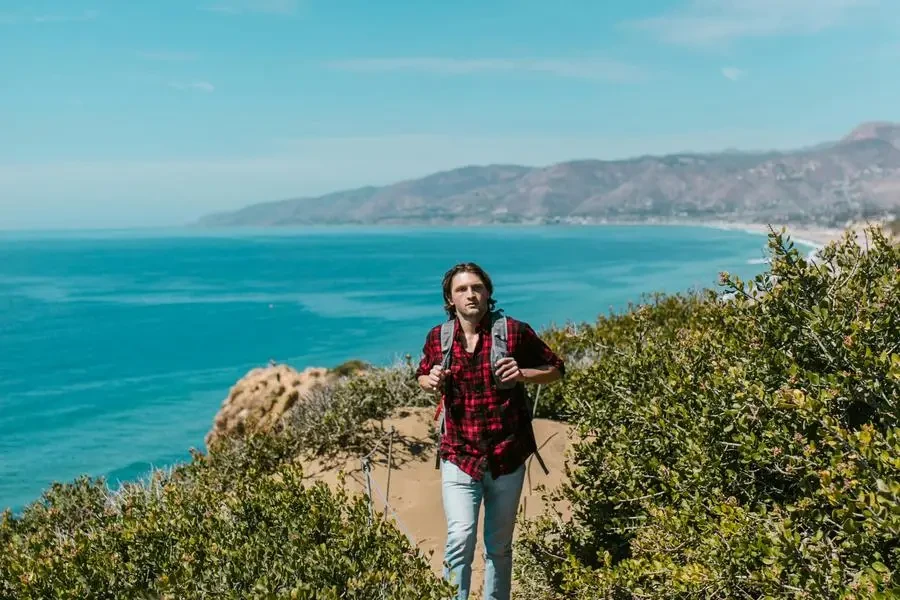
{"x": 710, "y": 22}
{"x": 733, "y": 73}
{"x": 199, "y": 86}
{"x": 168, "y": 56}
{"x": 271, "y": 7}
{"x": 17, "y": 19}
{"x": 595, "y": 69}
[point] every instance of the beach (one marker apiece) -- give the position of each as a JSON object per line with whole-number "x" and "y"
{"x": 808, "y": 235}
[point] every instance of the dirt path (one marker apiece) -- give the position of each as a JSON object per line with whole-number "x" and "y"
{"x": 415, "y": 486}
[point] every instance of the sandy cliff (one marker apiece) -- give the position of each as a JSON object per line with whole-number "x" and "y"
{"x": 260, "y": 398}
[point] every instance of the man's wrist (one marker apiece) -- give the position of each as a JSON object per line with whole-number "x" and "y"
{"x": 539, "y": 375}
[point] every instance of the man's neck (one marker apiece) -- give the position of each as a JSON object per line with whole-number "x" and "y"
{"x": 469, "y": 325}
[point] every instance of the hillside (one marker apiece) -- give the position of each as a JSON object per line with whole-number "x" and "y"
{"x": 831, "y": 184}
{"x": 708, "y": 449}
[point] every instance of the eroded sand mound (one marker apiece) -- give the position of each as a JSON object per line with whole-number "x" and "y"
{"x": 415, "y": 486}
{"x": 260, "y": 398}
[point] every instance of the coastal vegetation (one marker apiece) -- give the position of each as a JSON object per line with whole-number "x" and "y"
{"x": 732, "y": 443}
{"x": 743, "y": 448}
{"x": 242, "y": 521}
{"x": 239, "y": 522}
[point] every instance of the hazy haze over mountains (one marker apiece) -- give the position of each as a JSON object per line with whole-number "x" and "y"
{"x": 857, "y": 177}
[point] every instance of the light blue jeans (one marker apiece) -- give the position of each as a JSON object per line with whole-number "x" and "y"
{"x": 462, "y": 500}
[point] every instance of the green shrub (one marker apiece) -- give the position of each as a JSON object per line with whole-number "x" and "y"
{"x": 350, "y": 367}
{"x": 582, "y": 345}
{"x": 236, "y": 524}
{"x": 738, "y": 449}
{"x": 338, "y": 416}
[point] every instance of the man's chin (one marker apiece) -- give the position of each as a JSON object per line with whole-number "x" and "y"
{"x": 470, "y": 312}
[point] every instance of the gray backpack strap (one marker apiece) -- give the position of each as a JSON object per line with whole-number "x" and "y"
{"x": 448, "y": 328}
{"x": 500, "y": 344}
{"x": 500, "y": 349}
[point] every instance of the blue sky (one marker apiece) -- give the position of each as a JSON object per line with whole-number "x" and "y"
{"x": 118, "y": 114}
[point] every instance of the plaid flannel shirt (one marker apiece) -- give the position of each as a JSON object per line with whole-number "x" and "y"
{"x": 486, "y": 427}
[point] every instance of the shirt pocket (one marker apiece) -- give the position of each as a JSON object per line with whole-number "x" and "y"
{"x": 457, "y": 378}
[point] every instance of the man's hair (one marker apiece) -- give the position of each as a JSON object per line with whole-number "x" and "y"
{"x": 467, "y": 267}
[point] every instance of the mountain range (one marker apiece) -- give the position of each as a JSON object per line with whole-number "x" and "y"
{"x": 830, "y": 184}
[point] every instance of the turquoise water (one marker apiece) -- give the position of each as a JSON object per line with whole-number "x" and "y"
{"x": 118, "y": 347}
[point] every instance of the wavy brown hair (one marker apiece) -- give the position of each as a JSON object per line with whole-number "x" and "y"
{"x": 467, "y": 267}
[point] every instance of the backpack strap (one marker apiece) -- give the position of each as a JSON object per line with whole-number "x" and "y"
{"x": 500, "y": 349}
{"x": 448, "y": 329}
{"x": 500, "y": 344}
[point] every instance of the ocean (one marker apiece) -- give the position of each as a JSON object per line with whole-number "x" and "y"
{"x": 118, "y": 347}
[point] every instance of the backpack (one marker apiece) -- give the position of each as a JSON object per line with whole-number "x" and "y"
{"x": 499, "y": 349}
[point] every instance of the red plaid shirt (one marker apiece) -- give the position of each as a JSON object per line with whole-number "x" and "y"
{"x": 486, "y": 427}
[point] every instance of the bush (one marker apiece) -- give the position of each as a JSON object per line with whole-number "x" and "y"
{"x": 580, "y": 346}
{"x": 738, "y": 449}
{"x": 350, "y": 367}
{"x": 338, "y": 416}
{"x": 237, "y": 524}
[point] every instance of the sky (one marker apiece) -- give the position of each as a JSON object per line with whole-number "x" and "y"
{"x": 131, "y": 114}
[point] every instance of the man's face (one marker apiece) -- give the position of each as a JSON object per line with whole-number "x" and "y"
{"x": 469, "y": 295}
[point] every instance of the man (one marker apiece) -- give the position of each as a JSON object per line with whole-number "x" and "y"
{"x": 487, "y": 426}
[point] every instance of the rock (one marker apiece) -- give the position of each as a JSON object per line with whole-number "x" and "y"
{"x": 259, "y": 400}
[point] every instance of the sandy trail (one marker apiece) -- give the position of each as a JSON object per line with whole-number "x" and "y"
{"x": 415, "y": 486}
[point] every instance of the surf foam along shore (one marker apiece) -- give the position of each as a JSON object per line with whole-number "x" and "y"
{"x": 813, "y": 238}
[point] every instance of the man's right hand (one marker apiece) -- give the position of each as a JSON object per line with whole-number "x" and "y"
{"x": 435, "y": 379}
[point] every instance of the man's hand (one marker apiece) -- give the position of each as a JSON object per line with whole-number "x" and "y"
{"x": 507, "y": 369}
{"x": 435, "y": 379}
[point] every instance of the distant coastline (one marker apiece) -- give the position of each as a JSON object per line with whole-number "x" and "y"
{"x": 818, "y": 237}
{"x": 807, "y": 234}
{"x": 801, "y": 232}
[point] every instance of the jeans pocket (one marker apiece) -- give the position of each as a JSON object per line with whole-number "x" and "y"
{"x": 450, "y": 473}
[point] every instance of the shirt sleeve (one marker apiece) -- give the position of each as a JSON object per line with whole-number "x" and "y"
{"x": 533, "y": 352}
{"x": 430, "y": 351}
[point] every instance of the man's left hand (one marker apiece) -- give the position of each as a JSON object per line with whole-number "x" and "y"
{"x": 507, "y": 369}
